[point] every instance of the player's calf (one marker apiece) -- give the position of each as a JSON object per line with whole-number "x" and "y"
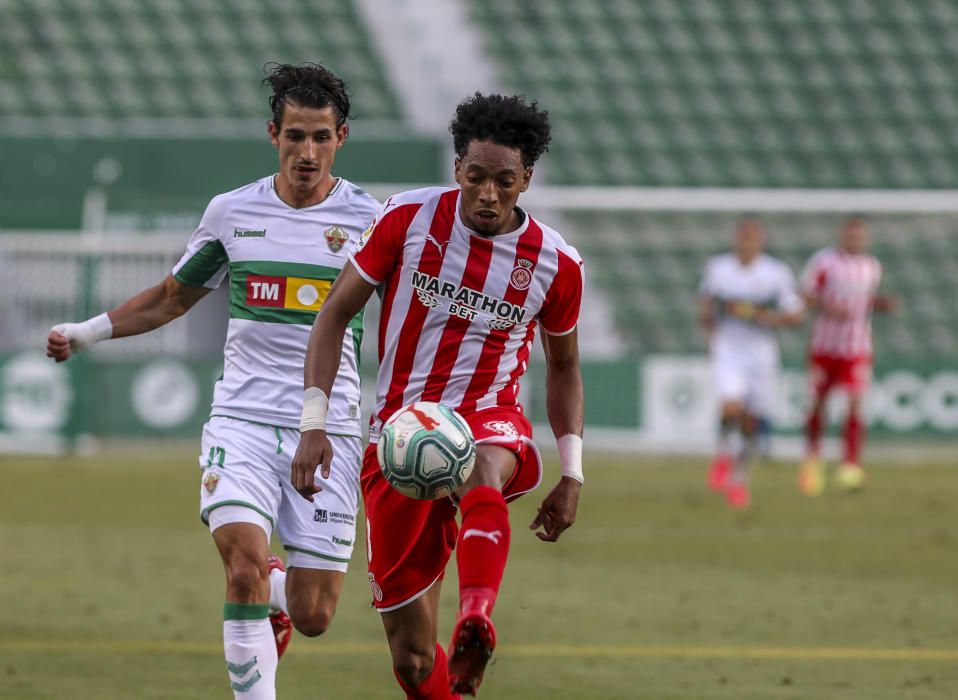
{"x": 278, "y": 618}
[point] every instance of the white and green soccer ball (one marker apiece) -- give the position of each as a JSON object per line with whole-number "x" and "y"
{"x": 426, "y": 450}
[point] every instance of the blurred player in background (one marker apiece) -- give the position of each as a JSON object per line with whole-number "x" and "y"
{"x": 841, "y": 286}
{"x": 465, "y": 277}
{"x": 282, "y": 240}
{"x": 744, "y": 297}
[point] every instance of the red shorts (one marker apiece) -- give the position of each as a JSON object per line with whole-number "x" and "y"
{"x": 409, "y": 542}
{"x": 853, "y": 374}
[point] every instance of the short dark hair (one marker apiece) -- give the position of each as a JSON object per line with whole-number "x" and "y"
{"x": 507, "y": 121}
{"x": 305, "y": 85}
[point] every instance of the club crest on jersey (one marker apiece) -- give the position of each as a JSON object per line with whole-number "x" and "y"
{"x": 521, "y": 274}
{"x": 502, "y": 427}
{"x": 335, "y": 238}
{"x": 377, "y": 591}
{"x": 210, "y": 481}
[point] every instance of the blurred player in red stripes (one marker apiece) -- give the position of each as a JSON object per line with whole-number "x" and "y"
{"x": 840, "y": 285}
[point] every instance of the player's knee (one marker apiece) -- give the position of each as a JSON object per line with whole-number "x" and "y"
{"x": 310, "y": 620}
{"x": 414, "y": 665}
{"x": 247, "y": 580}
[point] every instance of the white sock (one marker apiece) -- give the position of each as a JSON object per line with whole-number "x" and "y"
{"x": 277, "y": 591}
{"x": 250, "y": 649}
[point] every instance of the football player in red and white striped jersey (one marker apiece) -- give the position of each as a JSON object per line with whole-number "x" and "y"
{"x": 465, "y": 277}
{"x": 841, "y": 286}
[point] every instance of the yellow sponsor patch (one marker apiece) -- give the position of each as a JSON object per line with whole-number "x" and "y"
{"x": 306, "y": 294}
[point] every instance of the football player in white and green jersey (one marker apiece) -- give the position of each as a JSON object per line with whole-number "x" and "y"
{"x": 280, "y": 241}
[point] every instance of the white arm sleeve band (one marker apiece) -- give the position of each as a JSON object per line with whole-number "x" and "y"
{"x": 83, "y": 335}
{"x": 315, "y": 407}
{"x": 570, "y": 456}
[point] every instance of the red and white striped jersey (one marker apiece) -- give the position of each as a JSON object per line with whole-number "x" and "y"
{"x": 849, "y": 283}
{"x": 460, "y": 310}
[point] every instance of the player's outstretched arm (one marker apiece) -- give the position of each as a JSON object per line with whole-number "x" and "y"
{"x": 778, "y": 318}
{"x": 349, "y": 294}
{"x": 565, "y": 404}
{"x": 886, "y": 303}
{"x": 706, "y": 315}
{"x": 141, "y": 313}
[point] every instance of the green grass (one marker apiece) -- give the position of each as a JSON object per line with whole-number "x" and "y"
{"x": 112, "y": 590}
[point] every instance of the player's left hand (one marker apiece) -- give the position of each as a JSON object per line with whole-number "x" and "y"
{"x": 765, "y": 317}
{"x": 314, "y": 451}
{"x": 557, "y": 512}
{"x": 886, "y": 304}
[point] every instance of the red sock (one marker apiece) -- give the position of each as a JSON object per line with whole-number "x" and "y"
{"x": 483, "y": 543}
{"x": 854, "y": 431}
{"x": 813, "y": 431}
{"x": 435, "y": 686}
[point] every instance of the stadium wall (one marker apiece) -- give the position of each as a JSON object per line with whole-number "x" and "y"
{"x": 661, "y": 403}
{"x": 149, "y": 184}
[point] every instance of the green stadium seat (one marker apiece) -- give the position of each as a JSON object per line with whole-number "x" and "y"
{"x": 831, "y": 94}
{"x": 181, "y": 58}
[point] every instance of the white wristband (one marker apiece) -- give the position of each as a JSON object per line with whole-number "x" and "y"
{"x": 83, "y": 335}
{"x": 315, "y": 407}
{"x": 570, "y": 456}
{"x": 102, "y": 327}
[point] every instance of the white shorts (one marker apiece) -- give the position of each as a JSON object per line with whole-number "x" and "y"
{"x": 750, "y": 378}
{"x": 246, "y": 473}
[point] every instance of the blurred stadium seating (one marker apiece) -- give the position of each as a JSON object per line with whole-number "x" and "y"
{"x": 746, "y": 93}
{"x": 179, "y": 58}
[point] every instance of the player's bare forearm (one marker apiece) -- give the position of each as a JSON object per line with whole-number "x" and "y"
{"x": 884, "y": 303}
{"x": 324, "y": 351}
{"x": 779, "y": 319}
{"x": 706, "y": 314}
{"x": 565, "y": 405}
{"x": 349, "y": 294}
{"x": 141, "y": 313}
{"x": 154, "y": 307}
{"x": 565, "y": 397}
{"x": 814, "y": 303}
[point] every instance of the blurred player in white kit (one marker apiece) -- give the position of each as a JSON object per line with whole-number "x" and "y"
{"x": 745, "y": 296}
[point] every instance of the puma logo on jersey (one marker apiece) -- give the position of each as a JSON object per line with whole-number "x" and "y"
{"x": 492, "y": 536}
{"x": 440, "y": 246}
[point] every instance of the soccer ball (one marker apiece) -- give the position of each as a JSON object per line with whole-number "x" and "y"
{"x": 426, "y": 450}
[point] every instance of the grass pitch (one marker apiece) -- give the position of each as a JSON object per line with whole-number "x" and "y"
{"x": 113, "y": 590}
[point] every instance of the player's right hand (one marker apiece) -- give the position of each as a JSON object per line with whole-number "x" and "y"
{"x": 314, "y": 451}
{"x": 66, "y": 339}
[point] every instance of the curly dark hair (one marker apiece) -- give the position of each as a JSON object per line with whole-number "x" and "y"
{"x": 306, "y": 85}
{"x": 507, "y": 121}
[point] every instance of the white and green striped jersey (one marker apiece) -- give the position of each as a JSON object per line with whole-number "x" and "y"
{"x": 281, "y": 263}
